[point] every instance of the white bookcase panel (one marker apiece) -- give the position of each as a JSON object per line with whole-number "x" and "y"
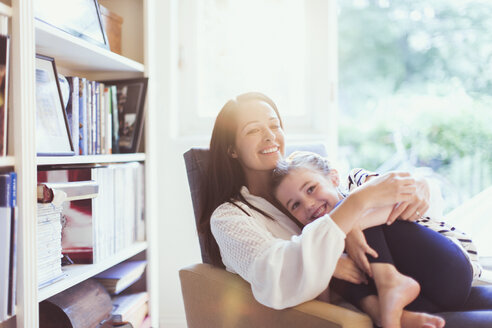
{"x": 7, "y": 161}
{"x": 76, "y": 273}
{"x": 90, "y": 159}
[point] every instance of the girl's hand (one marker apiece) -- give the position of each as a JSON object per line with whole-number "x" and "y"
{"x": 387, "y": 189}
{"x": 347, "y": 270}
{"x": 356, "y": 247}
{"x": 414, "y": 208}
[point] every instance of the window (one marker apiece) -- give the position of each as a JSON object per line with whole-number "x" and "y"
{"x": 278, "y": 47}
{"x": 415, "y": 80}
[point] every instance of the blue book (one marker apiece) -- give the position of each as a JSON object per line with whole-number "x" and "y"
{"x": 13, "y": 245}
{"x": 83, "y": 117}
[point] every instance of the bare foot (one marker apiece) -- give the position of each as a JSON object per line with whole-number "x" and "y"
{"x": 395, "y": 291}
{"x": 420, "y": 320}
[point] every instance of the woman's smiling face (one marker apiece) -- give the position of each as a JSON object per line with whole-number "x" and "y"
{"x": 259, "y": 137}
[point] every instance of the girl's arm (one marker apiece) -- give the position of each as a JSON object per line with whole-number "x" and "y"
{"x": 282, "y": 272}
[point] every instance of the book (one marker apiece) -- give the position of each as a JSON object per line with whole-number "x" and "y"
{"x": 49, "y": 227}
{"x": 121, "y": 276}
{"x": 108, "y": 110}
{"x": 4, "y": 91}
{"x": 125, "y": 307}
{"x": 73, "y": 111}
{"x": 74, "y": 190}
{"x": 78, "y": 230}
{"x": 82, "y": 117}
{"x": 13, "y": 245}
{"x": 6, "y": 212}
{"x": 115, "y": 125}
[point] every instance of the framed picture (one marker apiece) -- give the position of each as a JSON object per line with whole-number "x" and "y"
{"x": 80, "y": 18}
{"x": 130, "y": 115}
{"x": 52, "y": 132}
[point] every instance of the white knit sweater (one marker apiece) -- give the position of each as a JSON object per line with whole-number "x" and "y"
{"x": 283, "y": 266}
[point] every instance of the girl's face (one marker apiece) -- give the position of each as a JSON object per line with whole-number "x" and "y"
{"x": 259, "y": 137}
{"x": 308, "y": 194}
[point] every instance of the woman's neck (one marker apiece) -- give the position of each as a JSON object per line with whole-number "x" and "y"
{"x": 259, "y": 184}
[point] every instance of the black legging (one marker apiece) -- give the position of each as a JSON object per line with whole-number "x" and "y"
{"x": 434, "y": 261}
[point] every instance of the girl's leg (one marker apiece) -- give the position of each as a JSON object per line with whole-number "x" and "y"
{"x": 395, "y": 290}
{"x": 438, "y": 264}
{"x": 365, "y": 298}
{"x": 353, "y": 293}
{"x": 480, "y": 298}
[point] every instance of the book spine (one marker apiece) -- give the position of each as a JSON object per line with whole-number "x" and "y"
{"x": 107, "y": 104}
{"x": 5, "y": 51}
{"x": 82, "y": 116}
{"x": 5, "y": 232}
{"x": 98, "y": 122}
{"x": 73, "y": 111}
{"x": 13, "y": 246}
{"x": 89, "y": 118}
{"x": 115, "y": 121}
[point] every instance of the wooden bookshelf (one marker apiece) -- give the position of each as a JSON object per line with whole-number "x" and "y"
{"x": 76, "y": 273}
{"x": 90, "y": 159}
{"x": 7, "y": 161}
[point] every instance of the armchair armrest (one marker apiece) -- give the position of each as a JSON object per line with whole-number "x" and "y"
{"x": 214, "y": 297}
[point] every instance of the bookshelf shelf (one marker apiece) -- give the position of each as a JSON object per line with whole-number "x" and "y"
{"x": 79, "y": 54}
{"x": 5, "y": 10}
{"x": 7, "y": 161}
{"x": 76, "y": 273}
{"x": 90, "y": 159}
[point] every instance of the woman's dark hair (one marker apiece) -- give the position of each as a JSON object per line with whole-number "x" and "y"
{"x": 225, "y": 176}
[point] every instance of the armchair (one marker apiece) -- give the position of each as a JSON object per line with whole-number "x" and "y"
{"x": 214, "y": 297}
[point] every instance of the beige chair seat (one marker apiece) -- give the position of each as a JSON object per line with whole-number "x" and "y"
{"x": 214, "y": 297}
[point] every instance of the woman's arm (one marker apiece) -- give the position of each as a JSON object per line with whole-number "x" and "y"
{"x": 382, "y": 191}
{"x": 282, "y": 273}
{"x": 427, "y": 200}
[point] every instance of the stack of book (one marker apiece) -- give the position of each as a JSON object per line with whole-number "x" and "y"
{"x": 8, "y": 243}
{"x": 49, "y": 244}
{"x": 77, "y": 234}
{"x": 98, "y": 227}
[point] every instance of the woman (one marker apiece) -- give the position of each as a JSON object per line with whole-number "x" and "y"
{"x": 261, "y": 243}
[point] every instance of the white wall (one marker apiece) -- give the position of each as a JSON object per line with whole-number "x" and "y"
{"x": 178, "y": 243}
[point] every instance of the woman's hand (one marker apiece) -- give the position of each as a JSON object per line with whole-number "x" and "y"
{"x": 414, "y": 208}
{"x": 356, "y": 247}
{"x": 387, "y": 189}
{"x": 347, "y": 270}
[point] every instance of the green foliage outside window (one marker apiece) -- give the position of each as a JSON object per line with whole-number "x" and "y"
{"x": 416, "y": 82}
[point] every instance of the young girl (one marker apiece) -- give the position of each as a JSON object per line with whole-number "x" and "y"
{"x": 410, "y": 258}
